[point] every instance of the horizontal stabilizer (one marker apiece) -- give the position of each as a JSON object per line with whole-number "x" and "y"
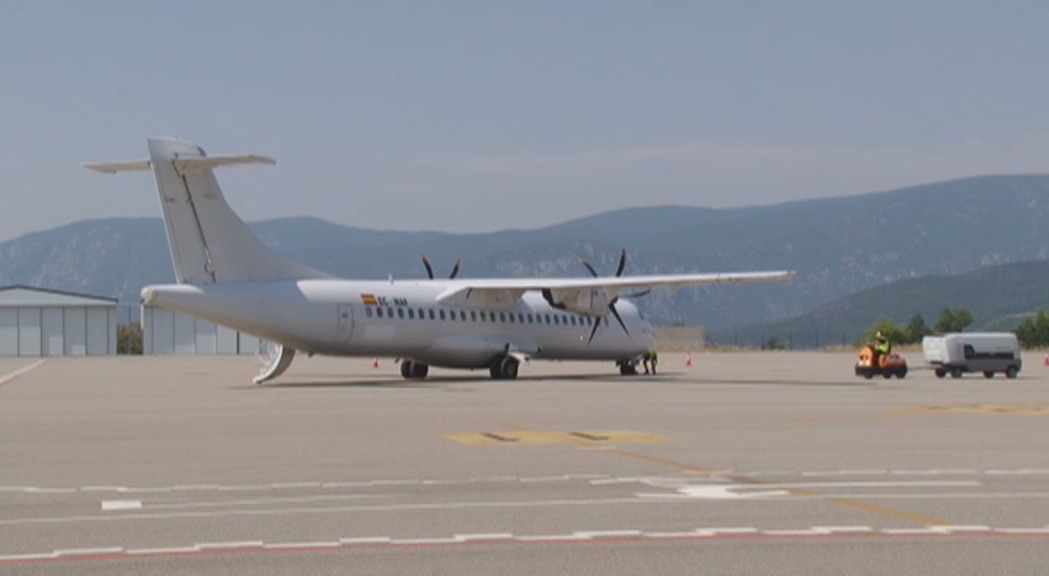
{"x": 114, "y": 167}
{"x": 206, "y": 162}
{"x": 181, "y": 164}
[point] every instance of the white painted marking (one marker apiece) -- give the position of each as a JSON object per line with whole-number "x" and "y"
{"x": 494, "y": 479}
{"x": 842, "y": 529}
{"x": 1022, "y": 530}
{"x": 292, "y": 485}
{"x": 967, "y": 528}
{"x": 802, "y": 532}
{"x": 301, "y": 545}
{"x": 114, "y": 505}
{"x": 33, "y": 490}
{"x": 366, "y": 540}
{"x": 424, "y": 541}
{"x": 101, "y": 488}
{"x": 23, "y": 370}
{"x": 551, "y": 538}
{"x": 228, "y": 545}
{"x": 692, "y": 534}
{"x": 88, "y": 551}
{"x": 188, "y": 487}
{"x": 24, "y": 557}
{"x": 264, "y": 501}
{"x": 544, "y": 479}
{"x": 715, "y": 492}
{"x": 915, "y": 531}
{"x": 859, "y": 472}
{"x": 716, "y": 531}
{"x": 161, "y": 551}
{"x": 607, "y": 533}
{"x": 494, "y": 536}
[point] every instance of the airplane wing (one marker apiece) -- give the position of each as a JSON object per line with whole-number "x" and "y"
{"x": 578, "y": 291}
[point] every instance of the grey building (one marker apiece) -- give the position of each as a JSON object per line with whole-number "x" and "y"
{"x": 40, "y": 322}
{"x": 172, "y": 333}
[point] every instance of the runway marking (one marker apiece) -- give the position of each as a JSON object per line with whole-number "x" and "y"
{"x": 15, "y": 375}
{"x": 111, "y": 505}
{"x": 1009, "y": 409}
{"x": 874, "y": 509}
{"x": 577, "y": 537}
{"x": 690, "y": 472}
{"x": 575, "y": 437}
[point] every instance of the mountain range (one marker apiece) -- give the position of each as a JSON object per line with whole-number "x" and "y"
{"x": 838, "y": 246}
{"x": 998, "y": 297}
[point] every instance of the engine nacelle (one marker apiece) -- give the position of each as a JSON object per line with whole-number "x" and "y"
{"x": 591, "y": 302}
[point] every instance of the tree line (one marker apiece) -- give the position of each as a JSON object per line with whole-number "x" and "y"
{"x": 950, "y": 320}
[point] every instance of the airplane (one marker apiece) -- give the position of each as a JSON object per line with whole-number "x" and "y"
{"x": 227, "y": 276}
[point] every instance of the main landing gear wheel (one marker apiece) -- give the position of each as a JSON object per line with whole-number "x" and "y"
{"x": 504, "y": 368}
{"x": 414, "y": 370}
{"x": 627, "y": 369}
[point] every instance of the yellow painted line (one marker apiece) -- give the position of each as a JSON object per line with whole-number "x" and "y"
{"x": 1008, "y": 409}
{"x": 571, "y": 437}
{"x": 897, "y": 514}
{"x": 661, "y": 461}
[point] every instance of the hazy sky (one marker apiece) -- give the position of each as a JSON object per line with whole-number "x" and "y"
{"x": 467, "y": 116}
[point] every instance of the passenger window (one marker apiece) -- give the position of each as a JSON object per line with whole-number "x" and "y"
{"x": 368, "y": 311}
{"x": 473, "y": 316}
{"x": 502, "y": 317}
{"x": 378, "y": 311}
{"x": 548, "y": 319}
{"x": 451, "y": 315}
{"x": 483, "y": 316}
{"x": 389, "y": 313}
{"x": 520, "y": 317}
{"x": 529, "y": 318}
{"x": 442, "y": 314}
{"x": 511, "y": 317}
{"x": 400, "y": 313}
{"x": 432, "y": 316}
{"x": 411, "y": 314}
{"x": 462, "y": 315}
{"x": 422, "y": 314}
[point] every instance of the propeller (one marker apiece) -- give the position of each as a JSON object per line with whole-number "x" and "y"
{"x": 429, "y": 268}
{"x": 612, "y": 303}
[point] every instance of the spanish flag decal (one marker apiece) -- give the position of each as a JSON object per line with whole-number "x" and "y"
{"x": 369, "y": 299}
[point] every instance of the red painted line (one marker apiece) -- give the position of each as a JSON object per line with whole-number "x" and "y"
{"x": 567, "y": 541}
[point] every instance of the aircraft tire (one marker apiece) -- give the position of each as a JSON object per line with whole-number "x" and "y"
{"x": 419, "y": 371}
{"x": 508, "y": 368}
{"x": 406, "y": 369}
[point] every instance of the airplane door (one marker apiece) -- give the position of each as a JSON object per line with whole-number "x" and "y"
{"x": 345, "y": 326}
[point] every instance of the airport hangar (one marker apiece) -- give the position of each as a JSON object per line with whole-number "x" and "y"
{"x": 44, "y": 322}
{"x": 40, "y": 322}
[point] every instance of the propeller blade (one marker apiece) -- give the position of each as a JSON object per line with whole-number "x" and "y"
{"x": 619, "y": 318}
{"x": 429, "y": 269}
{"x": 455, "y": 269}
{"x": 640, "y": 294}
{"x": 597, "y": 324}
{"x": 588, "y": 266}
{"x": 622, "y": 263}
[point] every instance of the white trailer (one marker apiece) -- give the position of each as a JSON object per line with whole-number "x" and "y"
{"x": 986, "y": 352}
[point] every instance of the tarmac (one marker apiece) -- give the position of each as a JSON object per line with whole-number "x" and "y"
{"x": 743, "y": 463}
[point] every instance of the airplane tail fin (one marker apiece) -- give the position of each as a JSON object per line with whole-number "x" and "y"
{"x": 209, "y": 243}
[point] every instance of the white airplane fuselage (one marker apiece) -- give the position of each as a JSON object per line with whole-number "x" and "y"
{"x": 403, "y": 319}
{"x": 226, "y": 275}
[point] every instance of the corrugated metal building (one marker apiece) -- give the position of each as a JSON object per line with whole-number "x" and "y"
{"x": 165, "y": 333}
{"x": 40, "y": 322}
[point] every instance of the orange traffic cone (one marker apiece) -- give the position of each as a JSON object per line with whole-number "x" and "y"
{"x": 1045, "y": 362}
{"x": 375, "y": 363}
{"x": 688, "y": 360}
